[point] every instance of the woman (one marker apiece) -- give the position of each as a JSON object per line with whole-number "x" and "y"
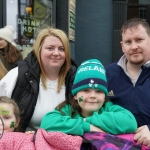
{"x": 43, "y": 80}
{"x": 9, "y": 54}
{"x": 3, "y": 70}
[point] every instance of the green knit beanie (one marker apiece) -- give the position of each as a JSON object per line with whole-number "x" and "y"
{"x": 90, "y": 74}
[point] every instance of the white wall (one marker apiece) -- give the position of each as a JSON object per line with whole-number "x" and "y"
{"x": 12, "y": 11}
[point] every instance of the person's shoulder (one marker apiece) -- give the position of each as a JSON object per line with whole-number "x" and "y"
{"x": 8, "y": 82}
{"x": 109, "y": 106}
{"x": 13, "y": 73}
{"x": 27, "y": 61}
{"x": 112, "y": 66}
{"x": 112, "y": 69}
{"x": 66, "y": 107}
{"x": 74, "y": 65}
{"x": 106, "y": 106}
{"x": 72, "y": 69}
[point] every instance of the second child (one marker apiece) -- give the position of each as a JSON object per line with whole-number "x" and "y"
{"x": 9, "y": 113}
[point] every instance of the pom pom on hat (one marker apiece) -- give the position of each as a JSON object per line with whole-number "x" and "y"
{"x": 90, "y": 74}
{"x": 6, "y": 33}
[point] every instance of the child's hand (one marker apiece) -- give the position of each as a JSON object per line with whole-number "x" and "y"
{"x": 96, "y": 129}
{"x": 30, "y": 132}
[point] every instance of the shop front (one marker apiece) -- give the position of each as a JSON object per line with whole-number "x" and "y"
{"x": 29, "y": 16}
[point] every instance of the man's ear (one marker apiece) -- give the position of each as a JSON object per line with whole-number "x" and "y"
{"x": 121, "y": 43}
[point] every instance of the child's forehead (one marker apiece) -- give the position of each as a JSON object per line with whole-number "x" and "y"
{"x": 91, "y": 89}
{"x": 6, "y": 106}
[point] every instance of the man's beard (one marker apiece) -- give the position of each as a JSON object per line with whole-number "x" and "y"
{"x": 136, "y": 62}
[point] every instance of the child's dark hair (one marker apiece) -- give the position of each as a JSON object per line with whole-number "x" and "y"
{"x": 75, "y": 108}
{"x": 4, "y": 99}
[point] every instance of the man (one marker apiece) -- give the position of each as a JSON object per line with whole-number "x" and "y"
{"x": 129, "y": 78}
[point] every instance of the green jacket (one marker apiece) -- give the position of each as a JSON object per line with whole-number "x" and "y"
{"x": 110, "y": 118}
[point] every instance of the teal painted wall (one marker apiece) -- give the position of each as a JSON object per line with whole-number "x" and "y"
{"x": 94, "y": 30}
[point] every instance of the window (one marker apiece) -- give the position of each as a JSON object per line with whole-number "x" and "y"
{"x": 27, "y": 16}
{"x": 142, "y": 12}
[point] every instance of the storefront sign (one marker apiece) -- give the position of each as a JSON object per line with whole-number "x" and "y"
{"x": 28, "y": 24}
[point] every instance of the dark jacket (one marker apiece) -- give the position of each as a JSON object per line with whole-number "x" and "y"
{"x": 26, "y": 90}
{"x": 124, "y": 93}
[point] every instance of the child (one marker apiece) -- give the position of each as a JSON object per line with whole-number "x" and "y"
{"x": 89, "y": 111}
{"x": 9, "y": 113}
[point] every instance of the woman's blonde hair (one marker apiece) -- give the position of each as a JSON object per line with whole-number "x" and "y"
{"x": 3, "y": 70}
{"x": 42, "y": 34}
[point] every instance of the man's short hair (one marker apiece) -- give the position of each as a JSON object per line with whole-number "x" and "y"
{"x": 134, "y": 23}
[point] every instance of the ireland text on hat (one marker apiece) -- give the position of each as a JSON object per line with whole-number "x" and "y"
{"x": 92, "y": 68}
